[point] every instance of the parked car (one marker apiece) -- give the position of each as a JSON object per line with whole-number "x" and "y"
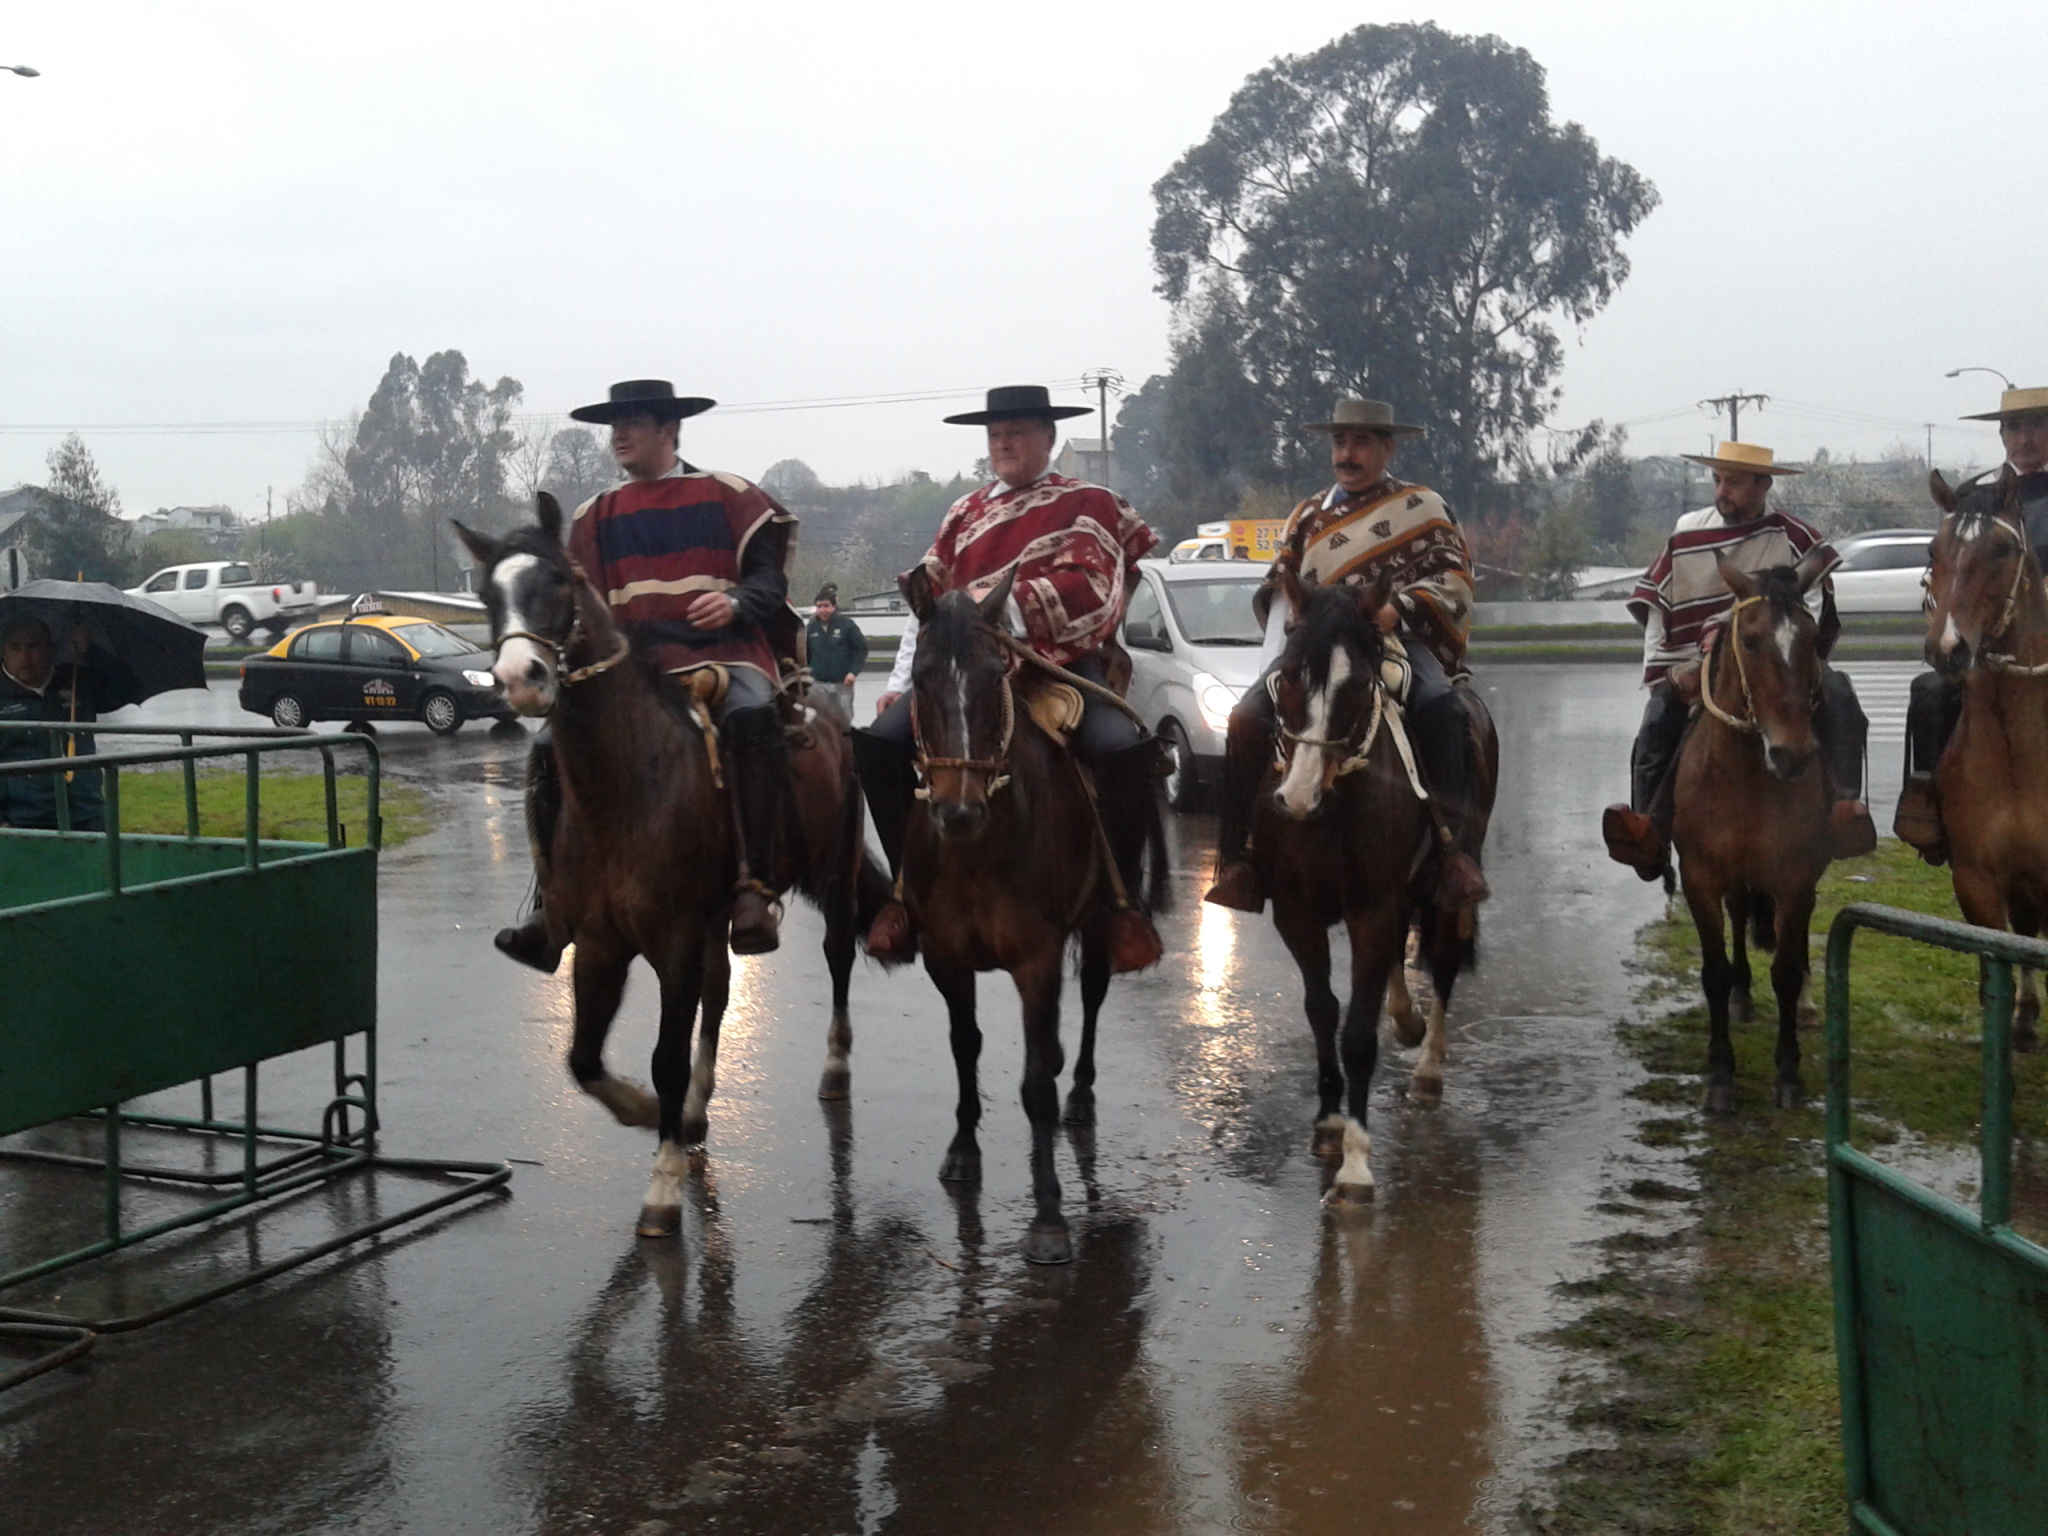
{"x": 1881, "y": 570}
{"x": 373, "y": 668}
{"x": 1194, "y": 649}
{"x": 226, "y": 592}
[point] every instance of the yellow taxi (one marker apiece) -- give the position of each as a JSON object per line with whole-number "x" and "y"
{"x": 371, "y": 667}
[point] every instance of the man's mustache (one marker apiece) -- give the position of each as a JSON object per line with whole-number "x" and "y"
{"x": 1352, "y": 464}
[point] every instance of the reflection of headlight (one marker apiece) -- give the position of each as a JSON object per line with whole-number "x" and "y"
{"x": 1216, "y": 699}
{"x": 478, "y": 679}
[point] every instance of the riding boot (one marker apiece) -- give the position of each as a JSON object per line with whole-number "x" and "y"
{"x": 1638, "y": 834}
{"x": 1127, "y": 800}
{"x": 1443, "y": 743}
{"x": 531, "y": 943}
{"x": 888, "y": 775}
{"x": 1932, "y": 710}
{"x": 1247, "y": 749}
{"x": 758, "y": 770}
{"x": 1843, "y": 730}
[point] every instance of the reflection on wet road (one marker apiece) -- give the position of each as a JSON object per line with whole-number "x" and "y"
{"x": 839, "y": 1343}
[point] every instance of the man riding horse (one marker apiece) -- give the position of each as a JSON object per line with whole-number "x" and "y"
{"x": 1072, "y": 547}
{"x": 1937, "y": 698}
{"x": 695, "y": 566}
{"x": 1369, "y": 527}
{"x": 1681, "y": 602}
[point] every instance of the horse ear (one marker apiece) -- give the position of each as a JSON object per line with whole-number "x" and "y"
{"x": 991, "y": 607}
{"x": 1938, "y": 488}
{"x": 916, "y": 586}
{"x": 485, "y": 550}
{"x": 549, "y": 512}
{"x": 1737, "y": 580}
{"x": 1374, "y": 596}
{"x": 1812, "y": 568}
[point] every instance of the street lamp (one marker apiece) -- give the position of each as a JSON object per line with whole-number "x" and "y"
{"x": 1954, "y": 371}
{"x": 21, "y": 69}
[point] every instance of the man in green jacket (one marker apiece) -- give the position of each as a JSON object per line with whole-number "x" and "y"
{"x": 834, "y": 648}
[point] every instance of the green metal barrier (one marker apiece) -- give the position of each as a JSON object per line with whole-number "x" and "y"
{"x": 139, "y": 963}
{"x": 1941, "y": 1313}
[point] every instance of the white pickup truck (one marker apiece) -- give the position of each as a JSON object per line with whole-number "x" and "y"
{"x": 226, "y": 592}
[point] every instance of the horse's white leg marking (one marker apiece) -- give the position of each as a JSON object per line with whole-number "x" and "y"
{"x": 1428, "y": 1077}
{"x": 1353, "y": 1183}
{"x": 1401, "y": 1007}
{"x": 838, "y": 1057}
{"x": 1301, "y": 791}
{"x": 703, "y": 1079}
{"x": 665, "y": 1189}
{"x": 629, "y": 1102}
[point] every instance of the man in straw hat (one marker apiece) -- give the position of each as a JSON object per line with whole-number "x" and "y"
{"x": 1073, "y": 547}
{"x": 1367, "y": 527}
{"x": 1936, "y": 702}
{"x": 695, "y": 565}
{"x": 1680, "y": 602}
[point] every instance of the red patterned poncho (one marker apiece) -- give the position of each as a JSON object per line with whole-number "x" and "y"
{"x": 1073, "y": 546}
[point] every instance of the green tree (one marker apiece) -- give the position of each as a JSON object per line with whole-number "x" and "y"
{"x": 1395, "y": 215}
{"x": 172, "y": 546}
{"x": 77, "y": 531}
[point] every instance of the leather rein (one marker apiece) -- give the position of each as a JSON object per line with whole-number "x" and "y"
{"x": 995, "y": 769}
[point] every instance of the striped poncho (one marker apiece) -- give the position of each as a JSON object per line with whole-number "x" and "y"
{"x": 1680, "y": 599}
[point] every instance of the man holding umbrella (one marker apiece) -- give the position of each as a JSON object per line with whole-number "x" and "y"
{"x": 34, "y": 688}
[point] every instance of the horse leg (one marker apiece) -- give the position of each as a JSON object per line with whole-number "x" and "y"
{"x": 1094, "y": 988}
{"x": 682, "y": 984}
{"x": 1309, "y": 942}
{"x": 1716, "y": 977}
{"x": 1788, "y": 979}
{"x": 1038, "y": 989}
{"x": 956, "y": 986}
{"x": 1984, "y": 903}
{"x": 715, "y": 989}
{"x": 1444, "y": 952}
{"x": 598, "y": 982}
{"x": 1378, "y": 938}
{"x": 1739, "y": 903}
{"x": 1409, "y": 1027}
{"x": 2026, "y": 1013}
{"x": 841, "y": 920}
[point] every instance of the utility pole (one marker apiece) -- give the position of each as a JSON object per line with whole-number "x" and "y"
{"x": 1733, "y": 405}
{"x": 1102, "y": 381}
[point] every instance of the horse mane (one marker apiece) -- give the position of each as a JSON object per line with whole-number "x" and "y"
{"x": 1779, "y": 586}
{"x": 953, "y": 627}
{"x": 1332, "y": 617}
{"x": 532, "y": 539}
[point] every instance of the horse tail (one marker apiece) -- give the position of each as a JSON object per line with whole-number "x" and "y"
{"x": 1158, "y": 885}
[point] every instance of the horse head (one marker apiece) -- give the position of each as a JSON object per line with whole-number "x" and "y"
{"x": 1773, "y": 645}
{"x": 1982, "y": 577}
{"x": 534, "y": 595}
{"x": 962, "y": 710}
{"x": 1328, "y": 678}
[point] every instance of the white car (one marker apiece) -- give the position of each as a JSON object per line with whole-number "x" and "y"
{"x": 227, "y": 593}
{"x": 1881, "y": 570}
{"x": 1194, "y": 649}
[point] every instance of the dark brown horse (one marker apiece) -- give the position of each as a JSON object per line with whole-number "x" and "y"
{"x": 1750, "y": 812}
{"x": 1342, "y": 834}
{"x": 1989, "y": 625}
{"x": 1007, "y": 867}
{"x": 643, "y": 856}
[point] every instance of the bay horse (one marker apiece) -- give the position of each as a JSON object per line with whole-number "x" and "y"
{"x": 1988, "y": 624}
{"x": 1750, "y": 812}
{"x": 1341, "y": 833}
{"x": 643, "y": 857}
{"x": 1007, "y": 866}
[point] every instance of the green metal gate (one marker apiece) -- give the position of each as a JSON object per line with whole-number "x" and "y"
{"x": 1941, "y": 1313}
{"x": 134, "y": 964}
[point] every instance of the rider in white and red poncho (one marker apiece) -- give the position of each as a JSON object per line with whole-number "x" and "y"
{"x": 1073, "y": 547}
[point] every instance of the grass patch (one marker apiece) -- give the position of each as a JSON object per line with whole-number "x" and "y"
{"x": 291, "y": 806}
{"x": 1719, "y": 1387}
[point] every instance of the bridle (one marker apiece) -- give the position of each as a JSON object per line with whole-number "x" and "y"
{"x": 2005, "y": 661}
{"x": 995, "y": 769}
{"x": 565, "y": 676}
{"x": 1748, "y": 724}
{"x": 1358, "y": 742}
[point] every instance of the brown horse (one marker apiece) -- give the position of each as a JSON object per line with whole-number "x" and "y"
{"x": 1750, "y": 812}
{"x": 1007, "y": 867}
{"x": 1988, "y": 624}
{"x": 643, "y": 856}
{"x": 1341, "y": 834}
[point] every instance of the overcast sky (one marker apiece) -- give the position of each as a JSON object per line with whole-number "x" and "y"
{"x": 233, "y": 215}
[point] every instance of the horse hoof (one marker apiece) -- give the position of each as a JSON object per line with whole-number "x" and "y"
{"x": 1344, "y": 1195}
{"x": 1048, "y": 1244}
{"x": 836, "y": 1083}
{"x": 1426, "y": 1090}
{"x": 1081, "y": 1107}
{"x": 961, "y": 1168}
{"x": 1791, "y": 1096}
{"x": 659, "y": 1221}
{"x": 1721, "y": 1099}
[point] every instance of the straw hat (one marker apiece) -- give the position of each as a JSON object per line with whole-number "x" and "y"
{"x": 2015, "y": 402}
{"x": 1350, "y": 411}
{"x": 1745, "y": 457}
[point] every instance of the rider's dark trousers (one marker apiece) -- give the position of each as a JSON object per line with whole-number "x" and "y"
{"x": 1838, "y": 721}
{"x": 1932, "y": 710}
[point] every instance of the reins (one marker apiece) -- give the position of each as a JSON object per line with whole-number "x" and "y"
{"x": 2005, "y": 661}
{"x": 993, "y": 767}
{"x": 1748, "y": 724}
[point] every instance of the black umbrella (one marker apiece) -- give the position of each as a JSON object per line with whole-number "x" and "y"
{"x": 138, "y": 649}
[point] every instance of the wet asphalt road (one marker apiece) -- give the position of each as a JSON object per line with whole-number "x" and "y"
{"x": 839, "y": 1343}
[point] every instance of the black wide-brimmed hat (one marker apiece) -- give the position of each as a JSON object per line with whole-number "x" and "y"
{"x": 643, "y": 397}
{"x": 1019, "y": 402}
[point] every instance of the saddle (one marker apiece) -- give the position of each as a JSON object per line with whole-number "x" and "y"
{"x": 1055, "y": 707}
